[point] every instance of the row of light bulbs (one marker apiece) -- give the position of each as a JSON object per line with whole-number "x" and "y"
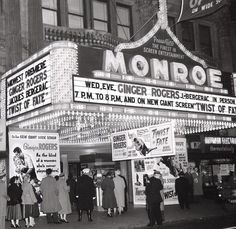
{"x": 82, "y": 126}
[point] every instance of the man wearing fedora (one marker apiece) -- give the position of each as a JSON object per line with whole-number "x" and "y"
{"x": 182, "y": 190}
{"x": 154, "y": 199}
{"x": 85, "y": 193}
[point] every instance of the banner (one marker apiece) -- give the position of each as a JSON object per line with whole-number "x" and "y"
{"x": 151, "y": 141}
{"x": 33, "y": 153}
{"x": 192, "y": 9}
{"x": 2, "y": 135}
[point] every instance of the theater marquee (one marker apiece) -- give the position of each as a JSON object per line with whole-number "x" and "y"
{"x": 136, "y": 95}
{"x": 29, "y": 88}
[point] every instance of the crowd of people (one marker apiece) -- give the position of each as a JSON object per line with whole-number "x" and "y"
{"x": 55, "y": 196}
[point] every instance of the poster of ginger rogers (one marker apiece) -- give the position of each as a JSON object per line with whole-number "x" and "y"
{"x": 32, "y": 153}
{"x": 145, "y": 142}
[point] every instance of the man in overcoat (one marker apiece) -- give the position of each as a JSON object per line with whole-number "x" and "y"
{"x": 85, "y": 193}
{"x": 182, "y": 190}
{"x": 154, "y": 199}
{"x": 50, "y": 204}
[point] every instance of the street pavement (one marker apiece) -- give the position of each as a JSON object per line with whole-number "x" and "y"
{"x": 205, "y": 213}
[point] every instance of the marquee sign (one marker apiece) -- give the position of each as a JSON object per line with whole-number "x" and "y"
{"x": 29, "y": 88}
{"x": 220, "y": 144}
{"x": 161, "y": 58}
{"x": 220, "y": 140}
{"x": 192, "y": 9}
{"x": 136, "y": 95}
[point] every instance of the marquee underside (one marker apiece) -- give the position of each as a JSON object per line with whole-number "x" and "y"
{"x": 95, "y": 125}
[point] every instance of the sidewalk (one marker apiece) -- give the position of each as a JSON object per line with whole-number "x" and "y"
{"x": 136, "y": 217}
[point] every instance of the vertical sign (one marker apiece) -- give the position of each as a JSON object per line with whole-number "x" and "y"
{"x": 181, "y": 158}
{"x": 29, "y": 88}
{"x": 36, "y": 151}
{"x": 2, "y": 135}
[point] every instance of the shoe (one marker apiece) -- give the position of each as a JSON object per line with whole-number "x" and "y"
{"x": 150, "y": 225}
{"x": 18, "y": 226}
{"x": 13, "y": 226}
{"x": 65, "y": 221}
{"x": 109, "y": 214}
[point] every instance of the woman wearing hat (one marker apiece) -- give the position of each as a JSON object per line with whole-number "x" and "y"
{"x": 14, "y": 191}
{"x": 108, "y": 198}
{"x": 64, "y": 198}
{"x": 3, "y": 199}
{"x": 28, "y": 201}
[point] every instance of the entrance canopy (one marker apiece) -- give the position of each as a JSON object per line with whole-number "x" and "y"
{"x": 79, "y": 126}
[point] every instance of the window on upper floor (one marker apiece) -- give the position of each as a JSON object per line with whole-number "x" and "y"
{"x": 197, "y": 36}
{"x": 188, "y": 35}
{"x": 50, "y": 12}
{"x": 75, "y": 14}
{"x": 123, "y": 21}
{"x": 100, "y": 15}
{"x": 205, "y": 43}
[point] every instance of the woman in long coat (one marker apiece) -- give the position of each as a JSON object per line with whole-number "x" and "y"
{"x": 14, "y": 191}
{"x": 108, "y": 198}
{"x": 119, "y": 191}
{"x": 85, "y": 192}
{"x": 28, "y": 201}
{"x": 50, "y": 204}
{"x": 64, "y": 198}
{"x": 3, "y": 200}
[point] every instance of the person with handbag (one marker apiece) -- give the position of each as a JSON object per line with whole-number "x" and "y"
{"x": 35, "y": 208}
{"x": 28, "y": 202}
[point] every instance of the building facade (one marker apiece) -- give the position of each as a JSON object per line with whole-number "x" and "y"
{"x": 28, "y": 27}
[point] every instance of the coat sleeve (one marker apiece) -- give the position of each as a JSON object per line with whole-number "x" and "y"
{"x": 176, "y": 186}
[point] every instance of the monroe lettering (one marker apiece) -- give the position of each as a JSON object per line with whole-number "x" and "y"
{"x": 161, "y": 69}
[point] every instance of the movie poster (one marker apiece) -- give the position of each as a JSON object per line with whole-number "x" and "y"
{"x": 146, "y": 142}
{"x": 169, "y": 167}
{"x": 33, "y": 153}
